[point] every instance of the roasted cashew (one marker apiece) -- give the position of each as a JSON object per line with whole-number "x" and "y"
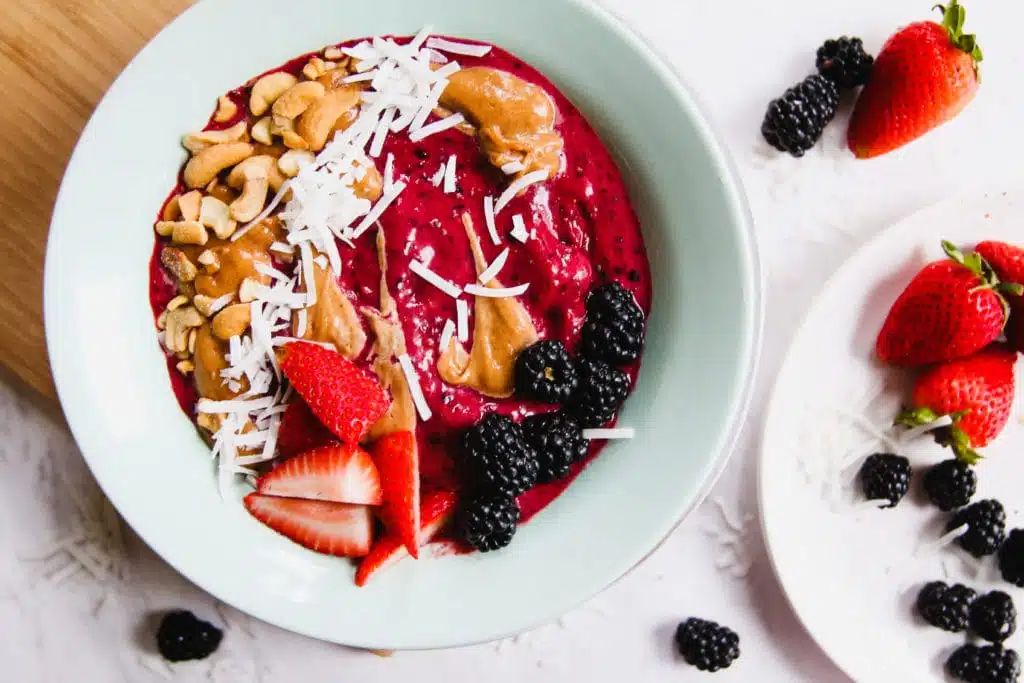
{"x": 261, "y": 131}
{"x": 293, "y": 160}
{"x": 286, "y": 129}
{"x": 232, "y": 321}
{"x": 184, "y": 232}
{"x": 226, "y": 110}
{"x": 333, "y": 53}
{"x": 247, "y": 290}
{"x": 266, "y": 90}
{"x": 297, "y": 99}
{"x": 260, "y": 165}
{"x": 317, "y": 122}
{"x": 171, "y": 210}
{"x": 215, "y": 215}
{"x": 188, "y": 205}
{"x": 178, "y": 265}
{"x": 204, "y": 166}
{"x": 316, "y": 67}
{"x": 164, "y": 228}
{"x": 196, "y": 142}
{"x": 211, "y": 264}
{"x": 253, "y": 177}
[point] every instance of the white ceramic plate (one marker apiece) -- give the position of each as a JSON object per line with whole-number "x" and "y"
{"x": 113, "y": 384}
{"x": 853, "y": 573}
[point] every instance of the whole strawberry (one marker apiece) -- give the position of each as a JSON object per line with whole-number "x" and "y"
{"x": 924, "y": 76}
{"x": 950, "y": 309}
{"x": 1007, "y": 260}
{"x": 975, "y": 392}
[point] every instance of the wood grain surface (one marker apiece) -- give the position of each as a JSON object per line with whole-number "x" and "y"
{"x": 57, "y": 58}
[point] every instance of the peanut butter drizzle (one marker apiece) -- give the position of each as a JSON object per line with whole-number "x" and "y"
{"x": 237, "y": 259}
{"x": 515, "y": 120}
{"x": 389, "y": 345}
{"x": 333, "y": 318}
{"x": 209, "y": 361}
{"x": 502, "y": 328}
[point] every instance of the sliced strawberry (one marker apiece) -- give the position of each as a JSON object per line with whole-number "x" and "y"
{"x": 338, "y": 473}
{"x": 323, "y": 527}
{"x": 435, "y": 512}
{"x": 398, "y": 463}
{"x": 346, "y": 399}
{"x": 300, "y": 431}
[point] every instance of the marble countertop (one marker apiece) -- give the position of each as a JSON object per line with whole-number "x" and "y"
{"x": 61, "y": 621}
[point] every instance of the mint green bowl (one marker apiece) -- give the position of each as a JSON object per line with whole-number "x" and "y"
{"x": 691, "y": 399}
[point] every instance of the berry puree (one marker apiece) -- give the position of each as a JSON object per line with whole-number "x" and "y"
{"x": 583, "y": 232}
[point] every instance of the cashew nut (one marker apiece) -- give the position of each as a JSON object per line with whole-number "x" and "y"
{"x": 176, "y": 302}
{"x": 253, "y": 177}
{"x": 209, "y": 260}
{"x": 226, "y": 109}
{"x": 188, "y": 205}
{"x": 293, "y": 160}
{"x": 261, "y": 131}
{"x": 247, "y": 290}
{"x": 196, "y": 142}
{"x": 297, "y": 99}
{"x": 317, "y": 122}
{"x": 220, "y": 191}
{"x": 185, "y": 366}
{"x": 266, "y": 90}
{"x": 333, "y": 53}
{"x": 232, "y": 321}
{"x": 314, "y": 68}
{"x": 215, "y": 215}
{"x": 188, "y": 232}
{"x": 204, "y": 166}
{"x": 164, "y": 228}
{"x": 178, "y": 265}
{"x": 171, "y": 210}
{"x": 179, "y": 323}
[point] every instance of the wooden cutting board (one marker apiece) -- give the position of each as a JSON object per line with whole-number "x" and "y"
{"x": 57, "y": 58}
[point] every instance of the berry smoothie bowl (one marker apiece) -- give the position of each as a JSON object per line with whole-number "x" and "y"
{"x": 408, "y": 317}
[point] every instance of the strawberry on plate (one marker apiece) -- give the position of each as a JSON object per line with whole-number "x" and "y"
{"x": 950, "y": 309}
{"x": 924, "y": 76}
{"x": 329, "y": 528}
{"x": 300, "y": 431}
{"x": 976, "y": 392}
{"x": 398, "y": 464}
{"x": 346, "y": 399}
{"x": 1007, "y": 260}
{"x": 340, "y": 473}
{"x": 435, "y": 512}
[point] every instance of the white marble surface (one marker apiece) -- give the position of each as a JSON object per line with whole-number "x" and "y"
{"x": 810, "y": 214}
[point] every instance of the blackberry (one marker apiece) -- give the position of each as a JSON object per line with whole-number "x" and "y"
{"x": 545, "y": 372}
{"x": 989, "y": 664}
{"x": 993, "y": 617}
{"x": 497, "y": 457}
{"x": 557, "y": 440}
{"x": 844, "y": 62}
{"x": 945, "y": 607}
{"x": 950, "y": 484}
{"x": 614, "y": 329}
{"x": 986, "y": 527}
{"x": 600, "y": 393}
{"x": 794, "y": 122}
{"x": 706, "y": 645}
{"x": 182, "y": 636}
{"x": 488, "y": 522}
{"x": 885, "y": 476}
{"x": 1011, "y": 558}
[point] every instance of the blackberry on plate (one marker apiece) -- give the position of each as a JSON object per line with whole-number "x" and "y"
{"x": 844, "y": 62}
{"x": 885, "y": 476}
{"x": 794, "y": 122}
{"x": 989, "y": 664}
{"x": 497, "y": 457}
{"x": 946, "y": 607}
{"x": 601, "y": 392}
{"x": 614, "y": 329}
{"x": 557, "y": 440}
{"x": 183, "y": 636}
{"x": 986, "y": 527}
{"x": 1011, "y": 558}
{"x": 706, "y": 645}
{"x": 993, "y": 617}
{"x": 488, "y": 521}
{"x": 545, "y": 372}
{"x": 950, "y": 484}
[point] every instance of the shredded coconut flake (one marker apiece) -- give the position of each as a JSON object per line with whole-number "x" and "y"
{"x": 446, "y": 286}
{"x": 498, "y": 292}
{"x": 492, "y": 228}
{"x": 301, "y": 321}
{"x": 519, "y": 231}
{"x": 491, "y": 271}
{"x": 517, "y": 186}
{"x": 512, "y": 167}
{"x": 462, "y": 314}
{"x": 438, "y": 177}
{"x": 282, "y": 248}
{"x": 446, "y": 334}
{"x": 610, "y": 433}
{"x": 414, "y": 387}
{"x": 378, "y": 209}
{"x": 437, "y": 127}
{"x": 449, "y": 175}
{"x": 455, "y": 48}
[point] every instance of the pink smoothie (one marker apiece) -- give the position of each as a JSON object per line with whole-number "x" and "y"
{"x": 584, "y": 232}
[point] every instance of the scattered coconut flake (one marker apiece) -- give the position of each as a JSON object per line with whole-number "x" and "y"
{"x": 455, "y": 48}
{"x": 449, "y": 175}
{"x": 914, "y": 432}
{"x": 321, "y": 261}
{"x": 517, "y": 186}
{"x": 492, "y": 228}
{"x": 436, "y": 57}
{"x": 378, "y": 209}
{"x": 942, "y": 541}
{"x": 512, "y": 167}
{"x": 462, "y": 310}
{"x": 491, "y": 271}
{"x": 609, "y": 433}
{"x": 301, "y": 321}
{"x": 428, "y": 106}
{"x": 447, "y": 70}
{"x": 446, "y": 286}
{"x": 381, "y": 134}
{"x": 282, "y": 248}
{"x": 220, "y": 302}
{"x": 414, "y": 387}
{"x": 270, "y": 271}
{"x": 389, "y": 172}
{"x": 206, "y": 405}
{"x": 439, "y": 176}
{"x": 519, "y": 231}
{"x": 420, "y": 38}
{"x": 498, "y": 292}
{"x": 359, "y": 78}
{"x": 447, "y": 333}
{"x": 437, "y": 127}
{"x": 269, "y": 209}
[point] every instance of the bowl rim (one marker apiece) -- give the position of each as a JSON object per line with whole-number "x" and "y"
{"x": 737, "y": 205}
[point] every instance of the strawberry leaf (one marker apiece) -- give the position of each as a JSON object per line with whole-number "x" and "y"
{"x": 953, "y": 17}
